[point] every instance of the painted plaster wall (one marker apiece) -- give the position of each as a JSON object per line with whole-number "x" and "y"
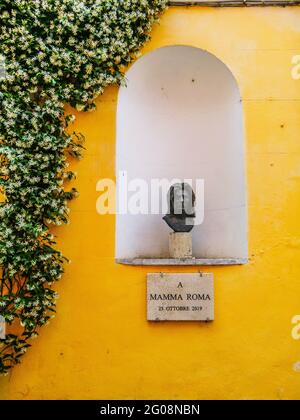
{"x": 100, "y": 345}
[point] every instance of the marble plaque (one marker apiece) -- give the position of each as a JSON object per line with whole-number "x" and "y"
{"x": 180, "y": 297}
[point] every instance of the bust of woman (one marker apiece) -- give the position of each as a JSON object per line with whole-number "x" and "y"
{"x": 181, "y": 201}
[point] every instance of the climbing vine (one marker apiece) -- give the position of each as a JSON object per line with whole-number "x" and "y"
{"x": 55, "y": 52}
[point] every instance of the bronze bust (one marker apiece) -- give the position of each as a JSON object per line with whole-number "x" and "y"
{"x": 181, "y": 200}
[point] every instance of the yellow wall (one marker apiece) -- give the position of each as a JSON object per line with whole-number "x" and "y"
{"x": 100, "y": 344}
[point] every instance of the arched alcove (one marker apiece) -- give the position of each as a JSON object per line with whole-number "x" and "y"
{"x": 180, "y": 116}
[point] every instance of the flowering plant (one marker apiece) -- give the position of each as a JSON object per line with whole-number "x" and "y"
{"x": 56, "y": 52}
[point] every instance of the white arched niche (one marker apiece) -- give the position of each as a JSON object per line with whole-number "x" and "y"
{"x": 180, "y": 117}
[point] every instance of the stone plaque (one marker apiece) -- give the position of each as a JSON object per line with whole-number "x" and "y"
{"x": 180, "y": 297}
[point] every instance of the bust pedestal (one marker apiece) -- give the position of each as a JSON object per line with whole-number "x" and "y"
{"x": 180, "y": 245}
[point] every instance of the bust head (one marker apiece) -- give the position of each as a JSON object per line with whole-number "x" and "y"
{"x": 181, "y": 200}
